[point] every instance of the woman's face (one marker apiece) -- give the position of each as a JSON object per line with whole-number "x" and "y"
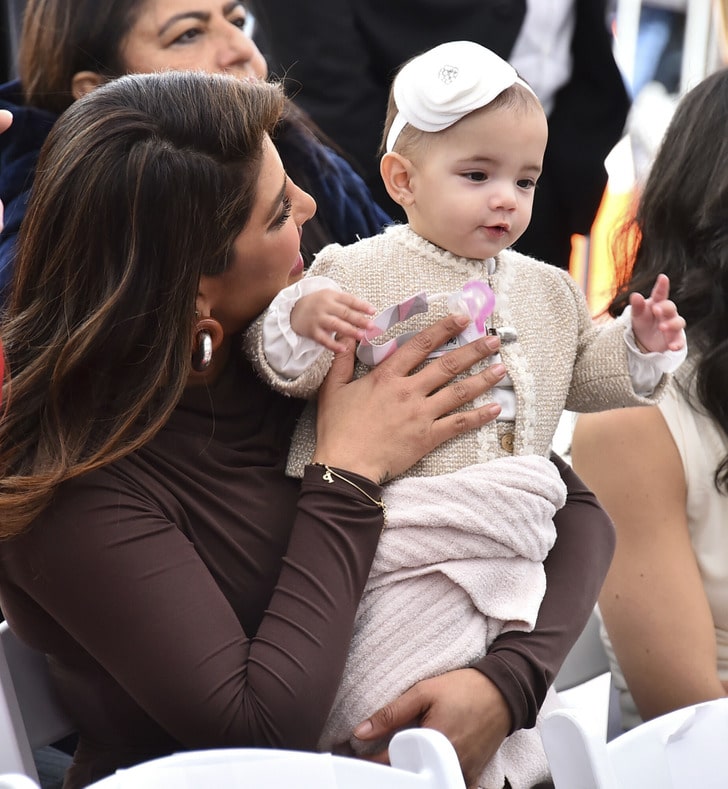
{"x": 266, "y": 254}
{"x": 206, "y": 35}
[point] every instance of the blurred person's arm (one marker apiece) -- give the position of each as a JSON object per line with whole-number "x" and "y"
{"x": 653, "y": 602}
{"x": 6, "y": 119}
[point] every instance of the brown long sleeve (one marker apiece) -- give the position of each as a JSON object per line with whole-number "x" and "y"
{"x": 156, "y": 585}
{"x": 524, "y": 665}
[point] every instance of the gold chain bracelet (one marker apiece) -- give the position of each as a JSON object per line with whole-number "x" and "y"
{"x": 329, "y": 475}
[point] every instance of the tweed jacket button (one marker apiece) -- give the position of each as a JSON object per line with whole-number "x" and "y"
{"x": 506, "y": 442}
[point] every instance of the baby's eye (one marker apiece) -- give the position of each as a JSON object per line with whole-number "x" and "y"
{"x": 526, "y": 183}
{"x": 475, "y": 176}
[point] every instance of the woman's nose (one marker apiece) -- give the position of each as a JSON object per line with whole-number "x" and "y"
{"x": 237, "y": 48}
{"x": 304, "y": 206}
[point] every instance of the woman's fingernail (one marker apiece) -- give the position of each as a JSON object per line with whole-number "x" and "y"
{"x": 493, "y": 343}
{"x": 498, "y": 369}
{"x": 363, "y": 729}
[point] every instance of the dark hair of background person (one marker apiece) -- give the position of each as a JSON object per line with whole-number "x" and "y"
{"x": 680, "y": 228}
{"x": 89, "y": 385}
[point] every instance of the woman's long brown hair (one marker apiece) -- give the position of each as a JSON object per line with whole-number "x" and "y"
{"x": 142, "y": 187}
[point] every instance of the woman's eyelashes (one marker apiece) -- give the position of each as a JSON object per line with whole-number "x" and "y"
{"x": 286, "y": 206}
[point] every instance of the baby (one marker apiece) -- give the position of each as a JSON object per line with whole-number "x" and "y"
{"x": 469, "y": 527}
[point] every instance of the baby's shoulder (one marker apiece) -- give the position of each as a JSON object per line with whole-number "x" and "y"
{"x": 365, "y": 254}
{"x": 532, "y": 273}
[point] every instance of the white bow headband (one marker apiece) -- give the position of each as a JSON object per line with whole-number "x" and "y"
{"x": 436, "y": 89}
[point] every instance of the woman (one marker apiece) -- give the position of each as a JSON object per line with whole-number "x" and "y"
{"x": 662, "y": 471}
{"x": 68, "y": 47}
{"x": 187, "y": 594}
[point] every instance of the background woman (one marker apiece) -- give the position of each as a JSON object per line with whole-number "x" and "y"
{"x": 662, "y": 471}
{"x": 187, "y": 593}
{"x": 68, "y": 47}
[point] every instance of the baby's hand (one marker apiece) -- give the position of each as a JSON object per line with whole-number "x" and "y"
{"x": 656, "y": 323}
{"x": 327, "y": 314}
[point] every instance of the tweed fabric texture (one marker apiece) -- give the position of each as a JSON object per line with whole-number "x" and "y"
{"x": 561, "y": 358}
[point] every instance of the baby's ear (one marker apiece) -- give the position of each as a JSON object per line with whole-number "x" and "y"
{"x": 84, "y": 82}
{"x": 396, "y": 171}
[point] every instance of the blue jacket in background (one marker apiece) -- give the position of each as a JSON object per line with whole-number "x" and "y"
{"x": 19, "y": 149}
{"x": 346, "y": 209}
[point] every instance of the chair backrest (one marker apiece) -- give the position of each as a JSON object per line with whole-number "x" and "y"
{"x": 586, "y": 660}
{"x": 680, "y": 750}
{"x": 420, "y": 758}
{"x": 30, "y": 714}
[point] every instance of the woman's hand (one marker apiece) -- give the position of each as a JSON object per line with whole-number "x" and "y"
{"x": 6, "y": 119}
{"x": 380, "y": 425}
{"x": 463, "y": 704}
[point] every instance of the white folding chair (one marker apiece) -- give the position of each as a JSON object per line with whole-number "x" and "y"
{"x": 30, "y": 714}
{"x": 680, "y": 750}
{"x": 421, "y": 759}
{"x": 17, "y": 781}
{"x": 584, "y": 681}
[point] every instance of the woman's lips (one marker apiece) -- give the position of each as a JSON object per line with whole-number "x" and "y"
{"x": 298, "y": 266}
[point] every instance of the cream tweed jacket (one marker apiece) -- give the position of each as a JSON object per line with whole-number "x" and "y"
{"x": 560, "y": 360}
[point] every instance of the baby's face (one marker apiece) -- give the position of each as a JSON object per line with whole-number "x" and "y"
{"x": 473, "y": 188}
